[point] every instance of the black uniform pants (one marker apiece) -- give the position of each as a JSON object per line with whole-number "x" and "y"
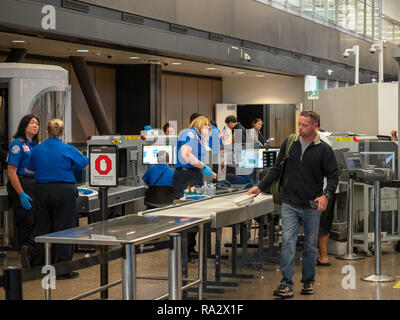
{"x": 184, "y": 177}
{"x": 55, "y": 210}
{"x": 23, "y": 219}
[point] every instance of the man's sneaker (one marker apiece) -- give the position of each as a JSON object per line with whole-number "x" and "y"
{"x": 284, "y": 291}
{"x": 25, "y": 260}
{"x": 308, "y": 288}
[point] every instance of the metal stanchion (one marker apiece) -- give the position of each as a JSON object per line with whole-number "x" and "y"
{"x": 129, "y": 272}
{"x": 201, "y": 257}
{"x": 13, "y": 283}
{"x": 350, "y": 255}
{"x": 378, "y": 277}
{"x": 47, "y": 249}
{"x": 103, "y": 195}
{"x": 175, "y": 267}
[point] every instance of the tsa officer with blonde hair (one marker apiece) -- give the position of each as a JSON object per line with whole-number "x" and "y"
{"x": 53, "y": 163}
{"x": 190, "y": 166}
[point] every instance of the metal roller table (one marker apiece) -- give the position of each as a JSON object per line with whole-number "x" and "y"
{"x": 130, "y": 231}
{"x": 223, "y": 212}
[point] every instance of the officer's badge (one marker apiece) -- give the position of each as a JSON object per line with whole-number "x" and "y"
{"x": 26, "y": 148}
{"x": 15, "y": 149}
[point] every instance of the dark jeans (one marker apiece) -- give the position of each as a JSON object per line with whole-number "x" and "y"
{"x": 23, "y": 219}
{"x": 56, "y": 210}
{"x": 187, "y": 177}
{"x": 290, "y": 222}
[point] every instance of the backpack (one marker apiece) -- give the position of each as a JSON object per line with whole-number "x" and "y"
{"x": 276, "y": 186}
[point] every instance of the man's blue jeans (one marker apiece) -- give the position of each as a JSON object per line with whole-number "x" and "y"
{"x": 290, "y": 221}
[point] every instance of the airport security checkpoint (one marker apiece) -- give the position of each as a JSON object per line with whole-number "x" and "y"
{"x": 154, "y": 156}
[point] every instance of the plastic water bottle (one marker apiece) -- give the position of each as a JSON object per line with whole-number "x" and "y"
{"x": 214, "y": 189}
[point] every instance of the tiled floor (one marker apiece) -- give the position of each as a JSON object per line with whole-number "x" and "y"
{"x": 328, "y": 284}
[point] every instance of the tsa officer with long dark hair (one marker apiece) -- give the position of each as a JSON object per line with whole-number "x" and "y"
{"x": 53, "y": 164}
{"x": 21, "y": 184}
{"x": 190, "y": 166}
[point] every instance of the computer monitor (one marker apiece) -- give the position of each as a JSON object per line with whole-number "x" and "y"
{"x": 253, "y": 159}
{"x": 150, "y": 154}
{"x": 353, "y": 160}
{"x": 271, "y": 156}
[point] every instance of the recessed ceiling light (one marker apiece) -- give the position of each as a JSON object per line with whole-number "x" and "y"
{"x": 236, "y": 48}
{"x": 259, "y": 75}
{"x": 134, "y": 58}
{"x": 211, "y": 68}
{"x": 18, "y": 41}
{"x": 176, "y": 63}
{"x": 82, "y": 50}
{"x": 240, "y": 72}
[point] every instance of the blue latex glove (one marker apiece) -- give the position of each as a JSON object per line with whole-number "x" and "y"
{"x": 207, "y": 171}
{"x": 25, "y": 201}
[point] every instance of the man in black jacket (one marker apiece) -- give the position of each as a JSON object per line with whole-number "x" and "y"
{"x": 310, "y": 160}
{"x": 236, "y": 128}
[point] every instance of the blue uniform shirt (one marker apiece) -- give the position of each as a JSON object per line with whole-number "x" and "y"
{"x": 215, "y": 141}
{"x": 18, "y": 154}
{"x": 54, "y": 161}
{"x": 191, "y": 138}
{"x": 155, "y": 171}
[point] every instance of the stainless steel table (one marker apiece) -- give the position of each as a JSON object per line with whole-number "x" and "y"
{"x": 130, "y": 231}
{"x": 222, "y": 212}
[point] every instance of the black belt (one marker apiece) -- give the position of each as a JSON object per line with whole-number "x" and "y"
{"x": 50, "y": 182}
{"x": 190, "y": 169}
{"x": 297, "y": 206}
{"x": 21, "y": 176}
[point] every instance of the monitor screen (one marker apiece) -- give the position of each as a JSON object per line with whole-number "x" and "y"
{"x": 253, "y": 158}
{"x": 354, "y": 162}
{"x": 271, "y": 156}
{"x": 150, "y": 154}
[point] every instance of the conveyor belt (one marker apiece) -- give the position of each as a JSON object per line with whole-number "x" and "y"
{"x": 116, "y": 196}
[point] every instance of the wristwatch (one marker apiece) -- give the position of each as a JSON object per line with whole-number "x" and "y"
{"x": 327, "y": 194}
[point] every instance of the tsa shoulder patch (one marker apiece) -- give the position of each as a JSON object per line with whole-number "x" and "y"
{"x": 15, "y": 149}
{"x": 191, "y": 135}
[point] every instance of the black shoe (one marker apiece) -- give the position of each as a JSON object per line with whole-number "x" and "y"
{"x": 25, "y": 260}
{"x": 69, "y": 275}
{"x": 283, "y": 291}
{"x": 308, "y": 288}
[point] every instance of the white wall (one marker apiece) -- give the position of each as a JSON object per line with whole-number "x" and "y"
{"x": 369, "y": 109}
{"x": 391, "y": 8}
{"x": 388, "y": 108}
{"x": 270, "y": 90}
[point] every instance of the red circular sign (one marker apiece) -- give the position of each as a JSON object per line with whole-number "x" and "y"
{"x": 108, "y": 165}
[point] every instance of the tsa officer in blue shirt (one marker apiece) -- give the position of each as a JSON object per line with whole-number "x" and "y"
{"x": 21, "y": 184}
{"x": 53, "y": 163}
{"x": 190, "y": 166}
{"x": 159, "y": 174}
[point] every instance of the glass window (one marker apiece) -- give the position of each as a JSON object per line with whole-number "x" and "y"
{"x": 397, "y": 34}
{"x": 368, "y": 20}
{"x": 387, "y": 31}
{"x": 377, "y": 21}
{"x": 308, "y": 7}
{"x": 293, "y": 4}
{"x": 281, "y": 2}
{"x": 341, "y": 13}
{"x": 351, "y": 15}
{"x": 320, "y": 9}
{"x": 360, "y": 17}
{"x": 331, "y": 11}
